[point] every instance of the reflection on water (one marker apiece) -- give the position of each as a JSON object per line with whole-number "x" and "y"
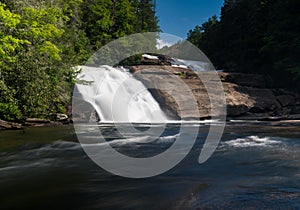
{"x": 256, "y": 166}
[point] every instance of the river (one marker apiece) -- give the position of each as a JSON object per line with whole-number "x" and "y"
{"x": 256, "y": 166}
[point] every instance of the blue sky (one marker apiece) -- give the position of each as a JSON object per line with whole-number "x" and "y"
{"x": 177, "y": 17}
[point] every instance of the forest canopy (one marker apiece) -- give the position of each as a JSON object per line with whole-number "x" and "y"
{"x": 254, "y": 36}
{"x": 41, "y": 40}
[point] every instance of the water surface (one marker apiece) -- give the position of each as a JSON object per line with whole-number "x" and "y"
{"x": 256, "y": 166}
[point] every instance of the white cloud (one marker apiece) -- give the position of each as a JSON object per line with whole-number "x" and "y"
{"x": 162, "y": 43}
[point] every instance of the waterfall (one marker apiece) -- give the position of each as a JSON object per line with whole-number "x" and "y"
{"x": 193, "y": 65}
{"x": 117, "y": 96}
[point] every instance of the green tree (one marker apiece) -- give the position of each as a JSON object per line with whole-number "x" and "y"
{"x": 29, "y": 65}
{"x": 146, "y": 20}
{"x": 9, "y": 45}
{"x": 256, "y": 36}
{"x": 195, "y": 35}
{"x": 107, "y": 20}
{"x": 40, "y": 42}
{"x": 98, "y": 21}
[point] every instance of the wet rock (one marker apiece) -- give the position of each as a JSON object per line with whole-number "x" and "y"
{"x": 238, "y": 102}
{"x": 86, "y": 117}
{"x": 37, "y": 121}
{"x": 241, "y": 99}
{"x": 236, "y": 110}
{"x": 265, "y": 99}
{"x": 58, "y": 117}
{"x": 9, "y": 125}
{"x": 286, "y": 100}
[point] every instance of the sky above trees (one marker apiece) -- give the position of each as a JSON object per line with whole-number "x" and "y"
{"x": 177, "y": 17}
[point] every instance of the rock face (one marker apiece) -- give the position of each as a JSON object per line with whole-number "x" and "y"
{"x": 247, "y": 95}
{"x": 179, "y": 91}
{"x": 259, "y": 101}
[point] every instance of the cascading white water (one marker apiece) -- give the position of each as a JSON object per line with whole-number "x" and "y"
{"x": 117, "y": 96}
{"x": 193, "y": 65}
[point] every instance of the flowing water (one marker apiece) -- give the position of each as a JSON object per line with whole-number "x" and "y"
{"x": 117, "y": 96}
{"x": 256, "y": 166}
{"x": 193, "y": 65}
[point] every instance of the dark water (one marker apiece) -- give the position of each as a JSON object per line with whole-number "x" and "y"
{"x": 256, "y": 166}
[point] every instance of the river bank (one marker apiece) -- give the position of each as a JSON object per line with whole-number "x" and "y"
{"x": 53, "y": 120}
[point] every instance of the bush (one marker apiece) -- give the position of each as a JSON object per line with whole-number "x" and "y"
{"x": 10, "y": 112}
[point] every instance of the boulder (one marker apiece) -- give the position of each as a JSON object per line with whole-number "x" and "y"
{"x": 86, "y": 117}
{"x": 242, "y": 99}
{"x": 264, "y": 99}
{"x": 58, "y": 117}
{"x": 238, "y": 102}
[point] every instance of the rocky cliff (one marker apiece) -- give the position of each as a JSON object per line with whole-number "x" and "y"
{"x": 247, "y": 96}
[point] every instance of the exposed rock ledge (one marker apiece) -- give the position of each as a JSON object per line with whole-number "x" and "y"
{"x": 247, "y": 95}
{"x": 54, "y": 119}
{"x": 9, "y": 125}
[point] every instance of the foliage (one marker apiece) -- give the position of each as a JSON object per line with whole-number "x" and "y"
{"x": 42, "y": 40}
{"x": 257, "y": 36}
{"x": 146, "y": 21}
{"x": 107, "y": 20}
{"x": 9, "y": 111}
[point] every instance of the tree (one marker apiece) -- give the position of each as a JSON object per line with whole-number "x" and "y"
{"x": 195, "y": 35}
{"x": 9, "y": 45}
{"x": 146, "y": 18}
{"x": 29, "y": 72}
{"x": 98, "y": 21}
{"x": 41, "y": 40}
{"x": 256, "y": 36}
